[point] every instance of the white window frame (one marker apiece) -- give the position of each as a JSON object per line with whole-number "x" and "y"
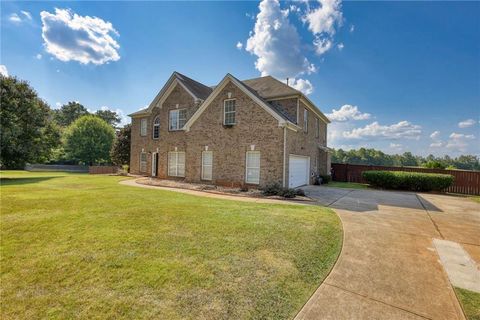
{"x": 229, "y": 112}
{"x": 317, "y": 127}
{"x": 143, "y": 164}
{"x": 206, "y": 167}
{"x": 177, "y": 123}
{"x": 247, "y": 167}
{"x": 305, "y": 120}
{"x": 156, "y": 124}
{"x": 143, "y": 127}
{"x": 176, "y": 165}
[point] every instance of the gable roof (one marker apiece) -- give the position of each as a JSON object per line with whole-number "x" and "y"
{"x": 198, "y": 89}
{"x": 268, "y": 87}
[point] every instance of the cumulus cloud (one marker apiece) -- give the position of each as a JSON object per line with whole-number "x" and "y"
{"x": 347, "y": 112}
{"x": 459, "y": 141}
{"x": 239, "y": 45}
{"x": 435, "y": 135}
{"x": 457, "y": 136}
{"x": 322, "y": 22}
{"x": 276, "y": 44}
{"x": 402, "y": 129}
{"x": 396, "y": 146}
{"x": 302, "y": 85}
{"x": 466, "y": 123}
{"x": 69, "y": 36}
{"x": 340, "y": 46}
{"x": 437, "y": 144}
{"x": 3, "y": 70}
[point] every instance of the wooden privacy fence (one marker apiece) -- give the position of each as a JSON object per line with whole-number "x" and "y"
{"x": 103, "y": 169}
{"x": 466, "y": 182}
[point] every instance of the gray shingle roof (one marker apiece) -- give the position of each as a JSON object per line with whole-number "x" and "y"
{"x": 269, "y": 87}
{"x": 200, "y": 90}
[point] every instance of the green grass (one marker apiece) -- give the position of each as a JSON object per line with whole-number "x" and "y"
{"x": 351, "y": 185}
{"x": 471, "y": 303}
{"x": 475, "y": 198}
{"x": 83, "y": 246}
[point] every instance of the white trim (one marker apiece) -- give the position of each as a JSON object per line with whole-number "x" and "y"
{"x": 305, "y": 119}
{"x": 203, "y": 166}
{"x": 154, "y": 168}
{"x": 176, "y": 153}
{"x": 310, "y": 105}
{"x": 247, "y": 167}
{"x": 229, "y": 78}
{"x": 234, "y": 112}
{"x": 178, "y": 119}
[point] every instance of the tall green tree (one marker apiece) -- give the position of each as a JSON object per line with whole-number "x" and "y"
{"x": 89, "y": 140}
{"x": 69, "y": 112}
{"x": 120, "y": 153}
{"x": 110, "y": 117}
{"x": 26, "y": 133}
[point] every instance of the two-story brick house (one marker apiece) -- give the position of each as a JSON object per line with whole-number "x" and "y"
{"x": 251, "y": 132}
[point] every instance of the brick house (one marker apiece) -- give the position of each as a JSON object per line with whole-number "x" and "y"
{"x": 250, "y": 132}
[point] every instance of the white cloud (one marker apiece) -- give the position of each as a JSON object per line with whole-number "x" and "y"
{"x": 435, "y": 135}
{"x": 459, "y": 141}
{"x": 85, "y": 39}
{"x": 15, "y": 18}
{"x": 276, "y": 43}
{"x": 302, "y": 85}
{"x": 3, "y": 70}
{"x": 395, "y": 146}
{"x": 322, "y": 22}
{"x": 352, "y": 28}
{"x": 347, "y": 112}
{"x": 340, "y": 46}
{"x": 466, "y": 123}
{"x": 38, "y": 56}
{"x": 239, "y": 45}
{"x": 58, "y": 105}
{"x": 402, "y": 129}
{"x": 123, "y": 117}
{"x": 437, "y": 144}
{"x": 27, "y": 14}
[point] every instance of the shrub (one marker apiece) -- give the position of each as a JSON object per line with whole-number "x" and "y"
{"x": 276, "y": 189}
{"x": 244, "y": 188}
{"x": 413, "y": 181}
{"x": 300, "y": 192}
{"x": 326, "y": 179}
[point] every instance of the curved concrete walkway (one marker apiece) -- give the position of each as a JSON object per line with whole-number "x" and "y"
{"x": 389, "y": 267}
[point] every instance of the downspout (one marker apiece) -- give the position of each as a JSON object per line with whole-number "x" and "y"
{"x": 284, "y": 154}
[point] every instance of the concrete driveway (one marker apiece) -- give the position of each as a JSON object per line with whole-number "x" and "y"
{"x": 390, "y": 267}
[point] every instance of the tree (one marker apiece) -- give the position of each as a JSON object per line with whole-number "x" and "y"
{"x": 89, "y": 140}
{"x": 120, "y": 153}
{"x": 110, "y": 117}
{"x": 69, "y": 112}
{"x": 27, "y": 135}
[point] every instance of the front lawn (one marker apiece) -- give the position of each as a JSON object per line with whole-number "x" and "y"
{"x": 471, "y": 303}
{"x": 349, "y": 185}
{"x": 82, "y": 246}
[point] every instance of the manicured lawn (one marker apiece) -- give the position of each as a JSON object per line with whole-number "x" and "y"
{"x": 351, "y": 185}
{"x": 471, "y": 303}
{"x": 81, "y": 246}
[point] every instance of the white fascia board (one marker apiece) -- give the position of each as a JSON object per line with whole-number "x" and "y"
{"x": 314, "y": 109}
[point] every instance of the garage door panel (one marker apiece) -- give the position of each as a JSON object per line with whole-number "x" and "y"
{"x": 298, "y": 171}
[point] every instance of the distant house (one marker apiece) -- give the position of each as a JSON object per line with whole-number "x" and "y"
{"x": 250, "y": 132}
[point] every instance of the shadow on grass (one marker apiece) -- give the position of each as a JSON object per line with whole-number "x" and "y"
{"x": 20, "y": 181}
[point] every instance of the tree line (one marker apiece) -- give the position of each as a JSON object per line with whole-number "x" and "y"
{"x": 407, "y": 159}
{"x": 32, "y": 132}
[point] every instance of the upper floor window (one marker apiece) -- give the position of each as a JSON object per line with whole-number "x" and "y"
{"x": 229, "y": 110}
{"x": 156, "y": 128}
{"x": 177, "y": 119}
{"x": 305, "y": 120}
{"x": 143, "y": 127}
{"x": 317, "y": 128}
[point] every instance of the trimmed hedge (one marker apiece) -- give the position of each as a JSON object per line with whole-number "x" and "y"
{"x": 413, "y": 181}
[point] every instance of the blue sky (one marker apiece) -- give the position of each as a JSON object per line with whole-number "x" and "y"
{"x": 398, "y": 76}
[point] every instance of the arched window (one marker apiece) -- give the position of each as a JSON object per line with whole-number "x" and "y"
{"x": 156, "y": 128}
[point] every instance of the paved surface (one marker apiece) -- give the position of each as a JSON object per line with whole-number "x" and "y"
{"x": 389, "y": 267}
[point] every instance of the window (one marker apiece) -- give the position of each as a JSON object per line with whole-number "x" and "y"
{"x": 143, "y": 162}
{"x": 305, "y": 120}
{"x": 156, "y": 128}
{"x": 177, "y": 119}
{"x": 253, "y": 167}
{"x": 229, "y": 112}
{"x": 317, "y": 128}
{"x": 176, "y": 164}
{"x": 143, "y": 127}
{"x": 207, "y": 163}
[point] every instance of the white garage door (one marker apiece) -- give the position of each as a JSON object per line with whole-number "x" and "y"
{"x": 298, "y": 171}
